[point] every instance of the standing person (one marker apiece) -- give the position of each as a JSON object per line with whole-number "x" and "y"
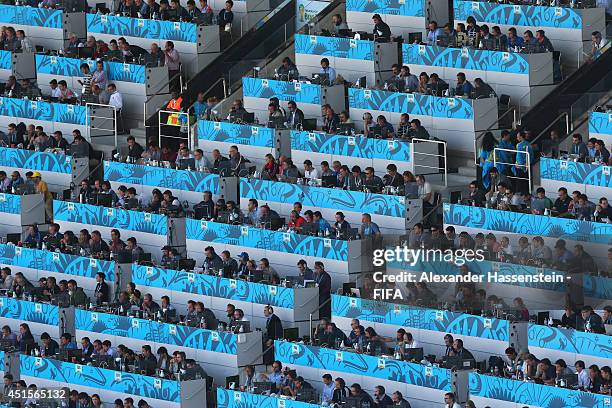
{"x": 172, "y": 60}
{"x": 323, "y": 281}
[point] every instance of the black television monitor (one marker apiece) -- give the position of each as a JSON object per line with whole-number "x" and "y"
{"x": 291, "y": 334}
{"x": 352, "y": 402}
{"x": 309, "y": 124}
{"x": 413, "y": 354}
{"x": 13, "y": 237}
{"x": 232, "y": 380}
{"x": 105, "y": 200}
{"x": 329, "y": 181}
{"x": 86, "y": 52}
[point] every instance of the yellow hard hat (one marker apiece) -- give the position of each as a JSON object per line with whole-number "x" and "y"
{"x": 36, "y": 174}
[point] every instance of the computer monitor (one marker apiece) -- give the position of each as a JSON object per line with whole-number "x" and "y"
{"x": 249, "y": 117}
{"x": 245, "y": 324}
{"x": 415, "y": 37}
{"x": 225, "y": 168}
{"x": 309, "y": 124}
{"x": 291, "y": 334}
{"x": 6, "y": 345}
{"x": 352, "y": 402}
{"x": 306, "y": 395}
{"x": 105, "y": 200}
{"x": 347, "y": 128}
{"x": 413, "y": 354}
{"x": 347, "y": 286}
{"x": 329, "y": 181}
{"x": 86, "y": 52}
{"x": 184, "y": 164}
{"x": 13, "y": 237}
{"x": 276, "y": 223}
{"x": 232, "y": 379}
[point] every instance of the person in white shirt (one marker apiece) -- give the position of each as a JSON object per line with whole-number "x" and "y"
{"x": 583, "y": 375}
{"x": 55, "y": 91}
{"x": 449, "y": 401}
{"x": 310, "y": 172}
{"x": 116, "y": 100}
{"x": 424, "y": 190}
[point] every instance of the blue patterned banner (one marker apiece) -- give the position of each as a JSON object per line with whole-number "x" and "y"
{"x": 323, "y": 197}
{"x": 213, "y": 286}
{"x": 161, "y": 177}
{"x": 532, "y": 394}
{"x": 110, "y": 217}
{"x": 412, "y": 104}
{"x": 30, "y": 16}
{"x": 574, "y": 172}
{"x": 141, "y": 28}
{"x": 527, "y": 224}
{"x": 364, "y": 365}
{"x": 517, "y": 15}
{"x": 89, "y": 376}
{"x": 442, "y": 321}
{"x": 41, "y": 313}
{"x": 570, "y": 341}
{"x": 337, "y": 47}
{"x": 412, "y": 8}
{"x": 283, "y": 90}
{"x": 237, "y": 399}
{"x": 352, "y": 146}
{"x": 153, "y": 331}
{"x": 43, "y": 260}
{"x": 31, "y": 160}
{"x": 10, "y": 203}
{"x": 235, "y": 133}
{"x": 465, "y": 58}
{"x": 6, "y": 60}
{"x": 52, "y": 65}
{"x": 269, "y": 240}
{"x": 52, "y": 112}
{"x": 600, "y": 122}
{"x": 597, "y": 287}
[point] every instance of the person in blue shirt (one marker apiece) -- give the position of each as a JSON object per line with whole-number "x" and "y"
{"x": 321, "y": 222}
{"x": 66, "y": 342}
{"x": 464, "y": 87}
{"x": 369, "y": 228}
{"x": 485, "y": 157}
{"x": 16, "y": 180}
{"x": 34, "y": 237}
{"x": 433, "y": 33}
{"x": 327, "y": 70}
{"x": 514, "y": 41}
{"x": 199, "y": 107}
{"x": 504, "y": 156}
{"x": 328, "y": 389}
{"x": 520, "y": 168}
{"x": 276, "y": 377}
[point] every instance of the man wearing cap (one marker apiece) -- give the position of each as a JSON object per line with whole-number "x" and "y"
{"x": 242, "y": 265}
{"x": 42, "y": 188}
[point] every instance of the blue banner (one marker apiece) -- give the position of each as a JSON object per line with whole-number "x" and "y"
{"x": 45, "y": 111}
{"x": 323, "y": 197}
{"x": 251, "y": 237}
{"x": 600, "y": 122}
{"x": 352, "y": 146}
{"x": 570, "y": 341}
{"x": 597, "y": 286}
{"x": 110, "y": 217}
{"x": 236, "y": 399}
{"x": 57, "y": 262}
{"x": 42, "y": 313}
{"x": 442, "y": 321}
{"x": 283, "y": 90}
{"x": 574, "y": 172}
{"x": 527, "y": 224}
{"x": 412, "y": 104}
{"x": 10, "y": 203}
{"x": 363, "y": 365}
{"x": 141, "y": 28}
{"x": 465, "y": 58}
{"x": 161, "y": 177}
{"x": 115, "y": 71}
{"x": 31, "y": 160}
{"x": 337, "y": 47}
{"x": 532, "y": 394}
{"x": 412, "y": 8}
{"x": 153, "y": 331}
{"x": 89, "y": 376}
{"x": 517, "y": 15}
{"x": 235, "y": 133}
{"x": 30, "y": 16}
{"x": 6, "y": 60}
{"x": 213, "y": 286}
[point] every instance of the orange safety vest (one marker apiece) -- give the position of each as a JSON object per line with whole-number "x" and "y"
{"x": 174, "y": 104}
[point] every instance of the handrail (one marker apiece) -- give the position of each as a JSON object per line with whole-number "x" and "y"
{"x": 527, "y": 164}
{"x": 157, "y": 93}
{"x": 438, "y": 142}
{"x": 483, "y": 132}
{"x": 88, "y": 125}
{"x": 179, "y": 125}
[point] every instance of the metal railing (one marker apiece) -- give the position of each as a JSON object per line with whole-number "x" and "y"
{"x": 90, "y": 119}
{"x": 183, "y": 127}
{"x": 158, "y": 93}
{"x": 527, "y": 164}
{"x": 515, "y": 121}
{"x": 426, "y": 155}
